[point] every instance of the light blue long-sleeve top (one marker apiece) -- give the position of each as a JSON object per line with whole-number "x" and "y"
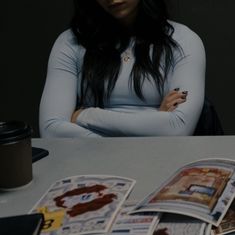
{"x": 125, "y": 114}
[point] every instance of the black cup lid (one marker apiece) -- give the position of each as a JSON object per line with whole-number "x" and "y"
{"x": 12, "y": 131}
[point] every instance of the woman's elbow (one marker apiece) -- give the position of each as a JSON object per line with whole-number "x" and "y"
{"x": 181, "y": 126}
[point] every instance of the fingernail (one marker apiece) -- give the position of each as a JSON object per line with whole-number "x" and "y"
{"x": 185, "y": 92}
{"x": 176, "y": 89}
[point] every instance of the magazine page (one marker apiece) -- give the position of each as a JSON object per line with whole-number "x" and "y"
{"x": 227, "y": 225}
{"x": 83, "y": 204}
{"x": 126, "y": 224}
{"x": 172, "y": 224}
{"x": 203, "y": 189}
{"x": 208, "y": 229}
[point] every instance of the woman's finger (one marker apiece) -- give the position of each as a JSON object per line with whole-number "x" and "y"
{"x": 175, "y": 95}
{"x": 175, "y": 103}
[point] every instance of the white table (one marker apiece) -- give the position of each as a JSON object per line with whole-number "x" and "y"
{"x": 148, "y": 160}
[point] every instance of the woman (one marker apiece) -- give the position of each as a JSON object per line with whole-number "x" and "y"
{"x": 123, "y": 69}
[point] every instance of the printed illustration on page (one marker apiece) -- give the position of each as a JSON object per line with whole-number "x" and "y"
{"x": 83, "y": 204}
{"x": 203, "y": 189}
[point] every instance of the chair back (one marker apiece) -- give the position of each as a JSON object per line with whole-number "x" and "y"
{"x": 209, "y": 122}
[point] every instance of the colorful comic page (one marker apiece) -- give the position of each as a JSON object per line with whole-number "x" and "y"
{"x": 203, "y": 189}
{"x": 126, "y": 224}
{"x": 227, "y": 225}
{"x": 83, "y": 204}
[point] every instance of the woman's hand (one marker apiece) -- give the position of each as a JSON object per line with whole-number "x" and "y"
{"x": 76, "y": 114}
{"x": 172, "y": 100}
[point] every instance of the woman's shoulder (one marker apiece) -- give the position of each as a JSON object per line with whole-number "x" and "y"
{"x": 186, "y": 37}
{"x": 67, "y": 37}
{"x": 66, "y": 44}
{"x": 183, "y": 32}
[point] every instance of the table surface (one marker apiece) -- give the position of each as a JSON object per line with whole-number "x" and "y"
{"x": 148, "y": 160}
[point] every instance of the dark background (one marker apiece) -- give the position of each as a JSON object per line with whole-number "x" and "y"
{"x": 29, "y": 28}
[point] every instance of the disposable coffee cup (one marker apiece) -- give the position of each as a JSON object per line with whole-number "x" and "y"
{"x": 15, "y": 155}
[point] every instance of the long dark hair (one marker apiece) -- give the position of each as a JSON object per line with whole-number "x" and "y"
{"x": 105, "y": 39}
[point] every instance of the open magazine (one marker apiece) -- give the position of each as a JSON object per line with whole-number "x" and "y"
{"x": 126, "y": 224}
{"x": 156, "y": 223}
{"x": 172, "y": 224}
{"x": 204, "y": 189}
{"x": 84, "y": 204}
